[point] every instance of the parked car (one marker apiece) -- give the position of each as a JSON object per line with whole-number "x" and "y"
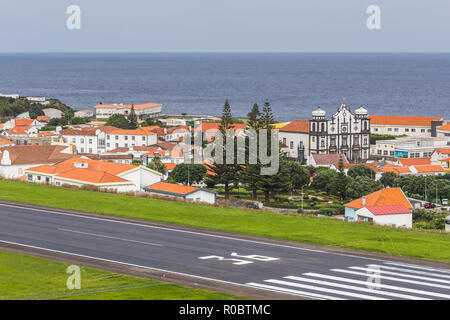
{"x": 429, "y": 205}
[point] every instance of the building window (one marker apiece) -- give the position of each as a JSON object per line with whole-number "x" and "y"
{"x": 422, "y": 130}
{"x": 396, "y": 129}
{"x": 292, "y": 145}
{"x": 74, "y": 140}
{"x": 284, "y": 141}
{"x": 379, "y": 152}
{"x": 413, "y": 130}
{"x": 117, "y": 137}
{"x": 108, "y": 136}
{"x": 406, "y": 130}
{"x": 133, "y": 138}
{"x": 82, "y": 140}
{"x": 143, "y": 138}
{"x": 385, "y": 152}
{"x": 389, "y": 129}
{"x": 90, "y": 141}
{"x": 126, "y": 137}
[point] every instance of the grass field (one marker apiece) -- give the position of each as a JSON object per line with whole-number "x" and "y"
{"x": 418, "y": 244}
{"x": 25, "y": 277}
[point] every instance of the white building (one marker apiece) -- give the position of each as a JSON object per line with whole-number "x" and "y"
{"x": 86, "y": 139}
{"x": 79, "y": 171}
{"x": 182, "y": 192}
{"x": 84, "y": 114}
{"x": 440, "y": 154}
{"x": 344, "y": 132}
{"x": 403, "y": 125}
{"x": 143, "y": 111}
{"x": 295, "y": 139}
{"x": 16, "y": 159}
{"x": 388, "y": 215}
{"x": 122, "y": 138}
{"x": 407, "y": 147}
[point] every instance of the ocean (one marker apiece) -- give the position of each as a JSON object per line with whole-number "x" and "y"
{"x": 199, "y": 83}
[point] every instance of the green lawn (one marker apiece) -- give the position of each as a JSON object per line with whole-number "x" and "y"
{"x": 25, "y": 277}
{"x": 418, "y": 244}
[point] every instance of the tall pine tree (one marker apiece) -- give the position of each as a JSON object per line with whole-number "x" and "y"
{"x": 224, "y": 173}
{"x": 132, "y": 118}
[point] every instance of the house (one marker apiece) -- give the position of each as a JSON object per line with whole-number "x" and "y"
{"x": 183, "y": 192}
{"x": 22, "y": 123}
{"x": 445, "y": 164}
{"x": 16, "y": 159}
{"x": 414, "y": 162}
{"x": 345, "y": 132}
{"x": 444, "y": 131}
{"x": 84, "y": 114}
{"x": 6, "y": 143}
{"x": 427, "y": 170}
{"x": 143, "y": 111}
{"x": 118, "y": 138}
{"x": 328, "y": 160}
{"x": 295, "y": 139}
{"x": 166, "y": 156}
{"x": 209, "y": 129}
{"x": 79, "y": 171}
{"x": 87, "y": 139}
{"x": 440, "y": 154}
{"x": 387, "y": 206}
{"x": 403, "y": 125}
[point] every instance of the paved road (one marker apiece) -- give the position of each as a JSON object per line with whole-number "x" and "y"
{"x": 267, "y": 266}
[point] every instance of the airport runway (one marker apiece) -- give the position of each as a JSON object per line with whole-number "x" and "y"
{"x": 261, "y": 265}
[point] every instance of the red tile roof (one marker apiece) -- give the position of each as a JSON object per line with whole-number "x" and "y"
{"x": 214, "y": 126}
{"x": 414, "y": 162}
{"x": 23, "y": 122}
{"x": 136, "y": 106}
{"x": 32, "y": 154}
{"x": 443, "y": 150}
{"x": 445, "y": 127}
{"x": 170, "y": 166}
{"x": 137, "y": 132}
{"x": 298, "y": 126}
{"x": 429, "y": 168}
{"x": 387, "y": 196}
{"x": 389, "y": 209}
{"x": 403, "y": 120}
{"x": 171, "y": 187}
{"x": 328, "y": 159}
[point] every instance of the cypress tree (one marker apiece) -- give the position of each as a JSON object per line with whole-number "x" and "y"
{"x": 132, "y": 118}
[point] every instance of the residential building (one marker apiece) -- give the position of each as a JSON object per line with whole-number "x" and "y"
{"x": 173, "y": 122}
{"x": 6, "y": 143}
{"x": 387, "y": 206}
{"x": 129, "y": 138}
{"x": 80, "y": 171}
{"x": 16, "y": 159}
{"x": 87, "y": 139}
{"x": 403, "y": 125}
{"x": 344, "y": 132}
{"x": 330, "y": 160}
{"x": 406, "y": 147}
{"x": 428, "y": 170}
{"x": 166, "y": 156}
{"x": 183, "y": 192}
{"x": 294, "y": 139}
{"x": 22, "y": 123}
{"x": 440, "y": 154}
{"x": 84, "y": 114}
{"x": 143, "y": 111}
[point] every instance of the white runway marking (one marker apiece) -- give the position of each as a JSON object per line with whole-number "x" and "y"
{"x": 109, "y": 237}
{"x": 363, "y": 289}
{"x": 417, "y": 267}
{"x": 286, "y": 290}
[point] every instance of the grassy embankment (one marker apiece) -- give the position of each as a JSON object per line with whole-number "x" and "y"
{"x": 417, "y": 244}
{"x": 25, "y": 277}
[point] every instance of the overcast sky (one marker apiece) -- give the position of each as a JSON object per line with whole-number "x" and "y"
{"x": 224, "y": 25}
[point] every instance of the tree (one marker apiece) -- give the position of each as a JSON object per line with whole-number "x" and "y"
{"x": 325, "y": 180}
{"x": 296, "y": 175}
{"x": 254, "y": 117}
{"x": 35, "y": 111}
{"x": 157, "y": 165}
{"x": 188, "y": 173}
{"x": 361, "y": 186}
{"x": 225, "y": 173}
{"x": 132, "y": 119}
{"x": 267, "y": 116}
{"x": 361, "y": 170}
{"x": 340, "y": 186}
{"x": 388, "y": 179}
{"x": 118, "y": 121}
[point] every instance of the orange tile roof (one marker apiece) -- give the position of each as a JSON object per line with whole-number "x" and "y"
{"x": 4, "y": 141}
{"x": 429, "y": 168}
{"x": 387, "y": 196}
{"x": 19, "y": 130}
{"x": 402, "y": 170}
{"x": 43, "y": 118}
{"x": 172, "y": 188}
{"x": 403, "y": 120}
{"x": 443, "y": 151}
{"x": 445, "y": 127}
{"x": 23, "y": 122}
{"x": 90, "y": 175}
{"x": 136, "y": 106}
{"x": 415, "y": 161}
{"x": 389, "y": 209}
{"x": 214, "y": 126}
{"x": 170, "y": 166}
{"x": 136, "y": 132}
{"x": 32, "y": 154}
{"x": 446, "y": 160}
{"x": 299, "y": 126}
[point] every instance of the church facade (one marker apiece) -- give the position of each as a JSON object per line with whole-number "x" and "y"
{"x": 345, "y": 133}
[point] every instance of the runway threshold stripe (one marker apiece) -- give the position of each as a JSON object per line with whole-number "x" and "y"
{"x": 333, "y": 291}
{"x": 291, "y": 291}
{"x": 411, "y": 271}
{"x": 417, "y": 267}
{"x": 392, "y": 278}
{"x": 403, "y": 275}
{"x": 382, "y": 286}
{"x": 110, "y": 237}
{"x": 363, "y": 289}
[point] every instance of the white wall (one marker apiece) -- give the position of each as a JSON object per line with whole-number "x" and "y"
{"x": 202, "y": 196}
{"x": 397, "y": 220}
{"x": 124, "y": 140}
{"x": 141, "y": 178}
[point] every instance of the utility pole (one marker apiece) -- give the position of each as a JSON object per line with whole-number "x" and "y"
{"x": 302, "y": 198}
